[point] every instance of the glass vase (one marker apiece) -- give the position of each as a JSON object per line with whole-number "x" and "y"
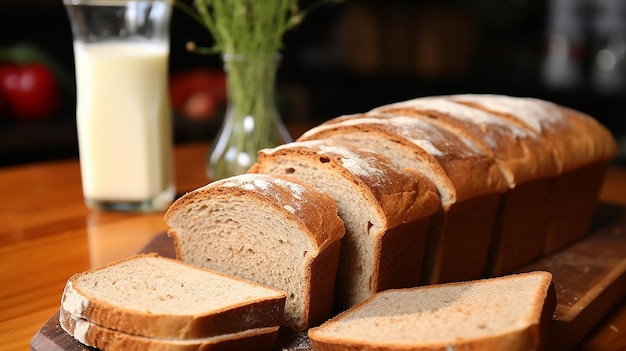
{"x": 252, "y": 121}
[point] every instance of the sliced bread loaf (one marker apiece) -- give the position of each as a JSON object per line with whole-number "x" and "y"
{"x": 386, "y": 211}
{"x": 508, "y": 313}
{"x": 271, "y": 230}
{"x": 158, "y": 297}
{"x": 91, "y": 334}
{"x": 460, "y": 233}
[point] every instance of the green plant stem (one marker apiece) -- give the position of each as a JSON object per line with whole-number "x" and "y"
{"x": 252, "y": 121}
{"x": 251, "y": 96}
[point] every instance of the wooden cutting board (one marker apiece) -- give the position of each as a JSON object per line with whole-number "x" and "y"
{"x": 589, "y": 278}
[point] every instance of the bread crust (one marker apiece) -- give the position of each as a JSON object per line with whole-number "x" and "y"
{"x": 322, "y": 272}
{"x": 519, "y": 234}
{"x": 392, "y": 193}
{"x": 521, "y": 153}
{"x": 570, "y": 207}
{"x": 249, "y": 314}
{"x": 575, "y": 138}
{"x": 447, "y": 166}
{"x": 459, "y": 240}
{"x": 582, "y": 148}
{"x": 315, "y": 217}
{"x": 103, "y": 338}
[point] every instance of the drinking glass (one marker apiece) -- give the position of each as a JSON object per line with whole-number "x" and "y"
{"x": 123, "y": 113}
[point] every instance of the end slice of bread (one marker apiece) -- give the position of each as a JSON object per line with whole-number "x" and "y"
{"x": 504, "y": 313}
{"x": 153, "y": 296}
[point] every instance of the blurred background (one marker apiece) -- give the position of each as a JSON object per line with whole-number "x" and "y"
{"x": 348, "y": 58}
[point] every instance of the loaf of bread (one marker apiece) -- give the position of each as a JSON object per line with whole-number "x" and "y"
{"x": 385, "y": 210}
{"x": 582, "y": 148}
{"x": 275, "y": 231}
{"x": 157, "y": 297}
{"x": 107, "y": 339}
{"x": 430, "y": 190}
{"x": 506, "y": 313}
{"x": 460, "y": 232}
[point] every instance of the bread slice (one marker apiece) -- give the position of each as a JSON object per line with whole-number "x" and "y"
{"x": 158, "y": 297}
{"x": 386, "y": 211}
{"x": 460, "y": 233}
{"x": 103, "y": 338}
{"x": 506, "y": 313}
{"x": 582, "y": 147}
{"x": 275, "y": 231}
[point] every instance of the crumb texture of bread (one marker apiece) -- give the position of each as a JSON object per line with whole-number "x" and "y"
{"x": 492, "y": 314}
{"x": 155, "y": 296}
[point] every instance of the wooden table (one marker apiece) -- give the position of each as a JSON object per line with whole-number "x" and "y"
{"x": 47, "y": 234}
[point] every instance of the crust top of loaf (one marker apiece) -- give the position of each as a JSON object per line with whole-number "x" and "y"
{"x": 561, "y": 127}
{"x": 521, "y": 152}
{"x": 442, "y": 156}
{"x": 391, "y": 192}
{"x": 291, "y": 197}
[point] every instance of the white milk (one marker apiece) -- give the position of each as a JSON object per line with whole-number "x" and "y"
{"x": 124, "y": 122}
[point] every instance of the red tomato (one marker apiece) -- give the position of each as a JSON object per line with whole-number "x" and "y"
{"x": 32, "y": 91}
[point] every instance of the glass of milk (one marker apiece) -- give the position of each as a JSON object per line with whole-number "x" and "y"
{"x": 123, "y": 113}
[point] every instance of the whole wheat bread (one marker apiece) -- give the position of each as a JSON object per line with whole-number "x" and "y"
{"x": 508, "y": 313}
{"x": 275, "y": 231}
{"x": 158, "y": 297}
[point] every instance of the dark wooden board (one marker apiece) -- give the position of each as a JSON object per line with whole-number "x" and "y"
{"x": 589, "y": 279}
